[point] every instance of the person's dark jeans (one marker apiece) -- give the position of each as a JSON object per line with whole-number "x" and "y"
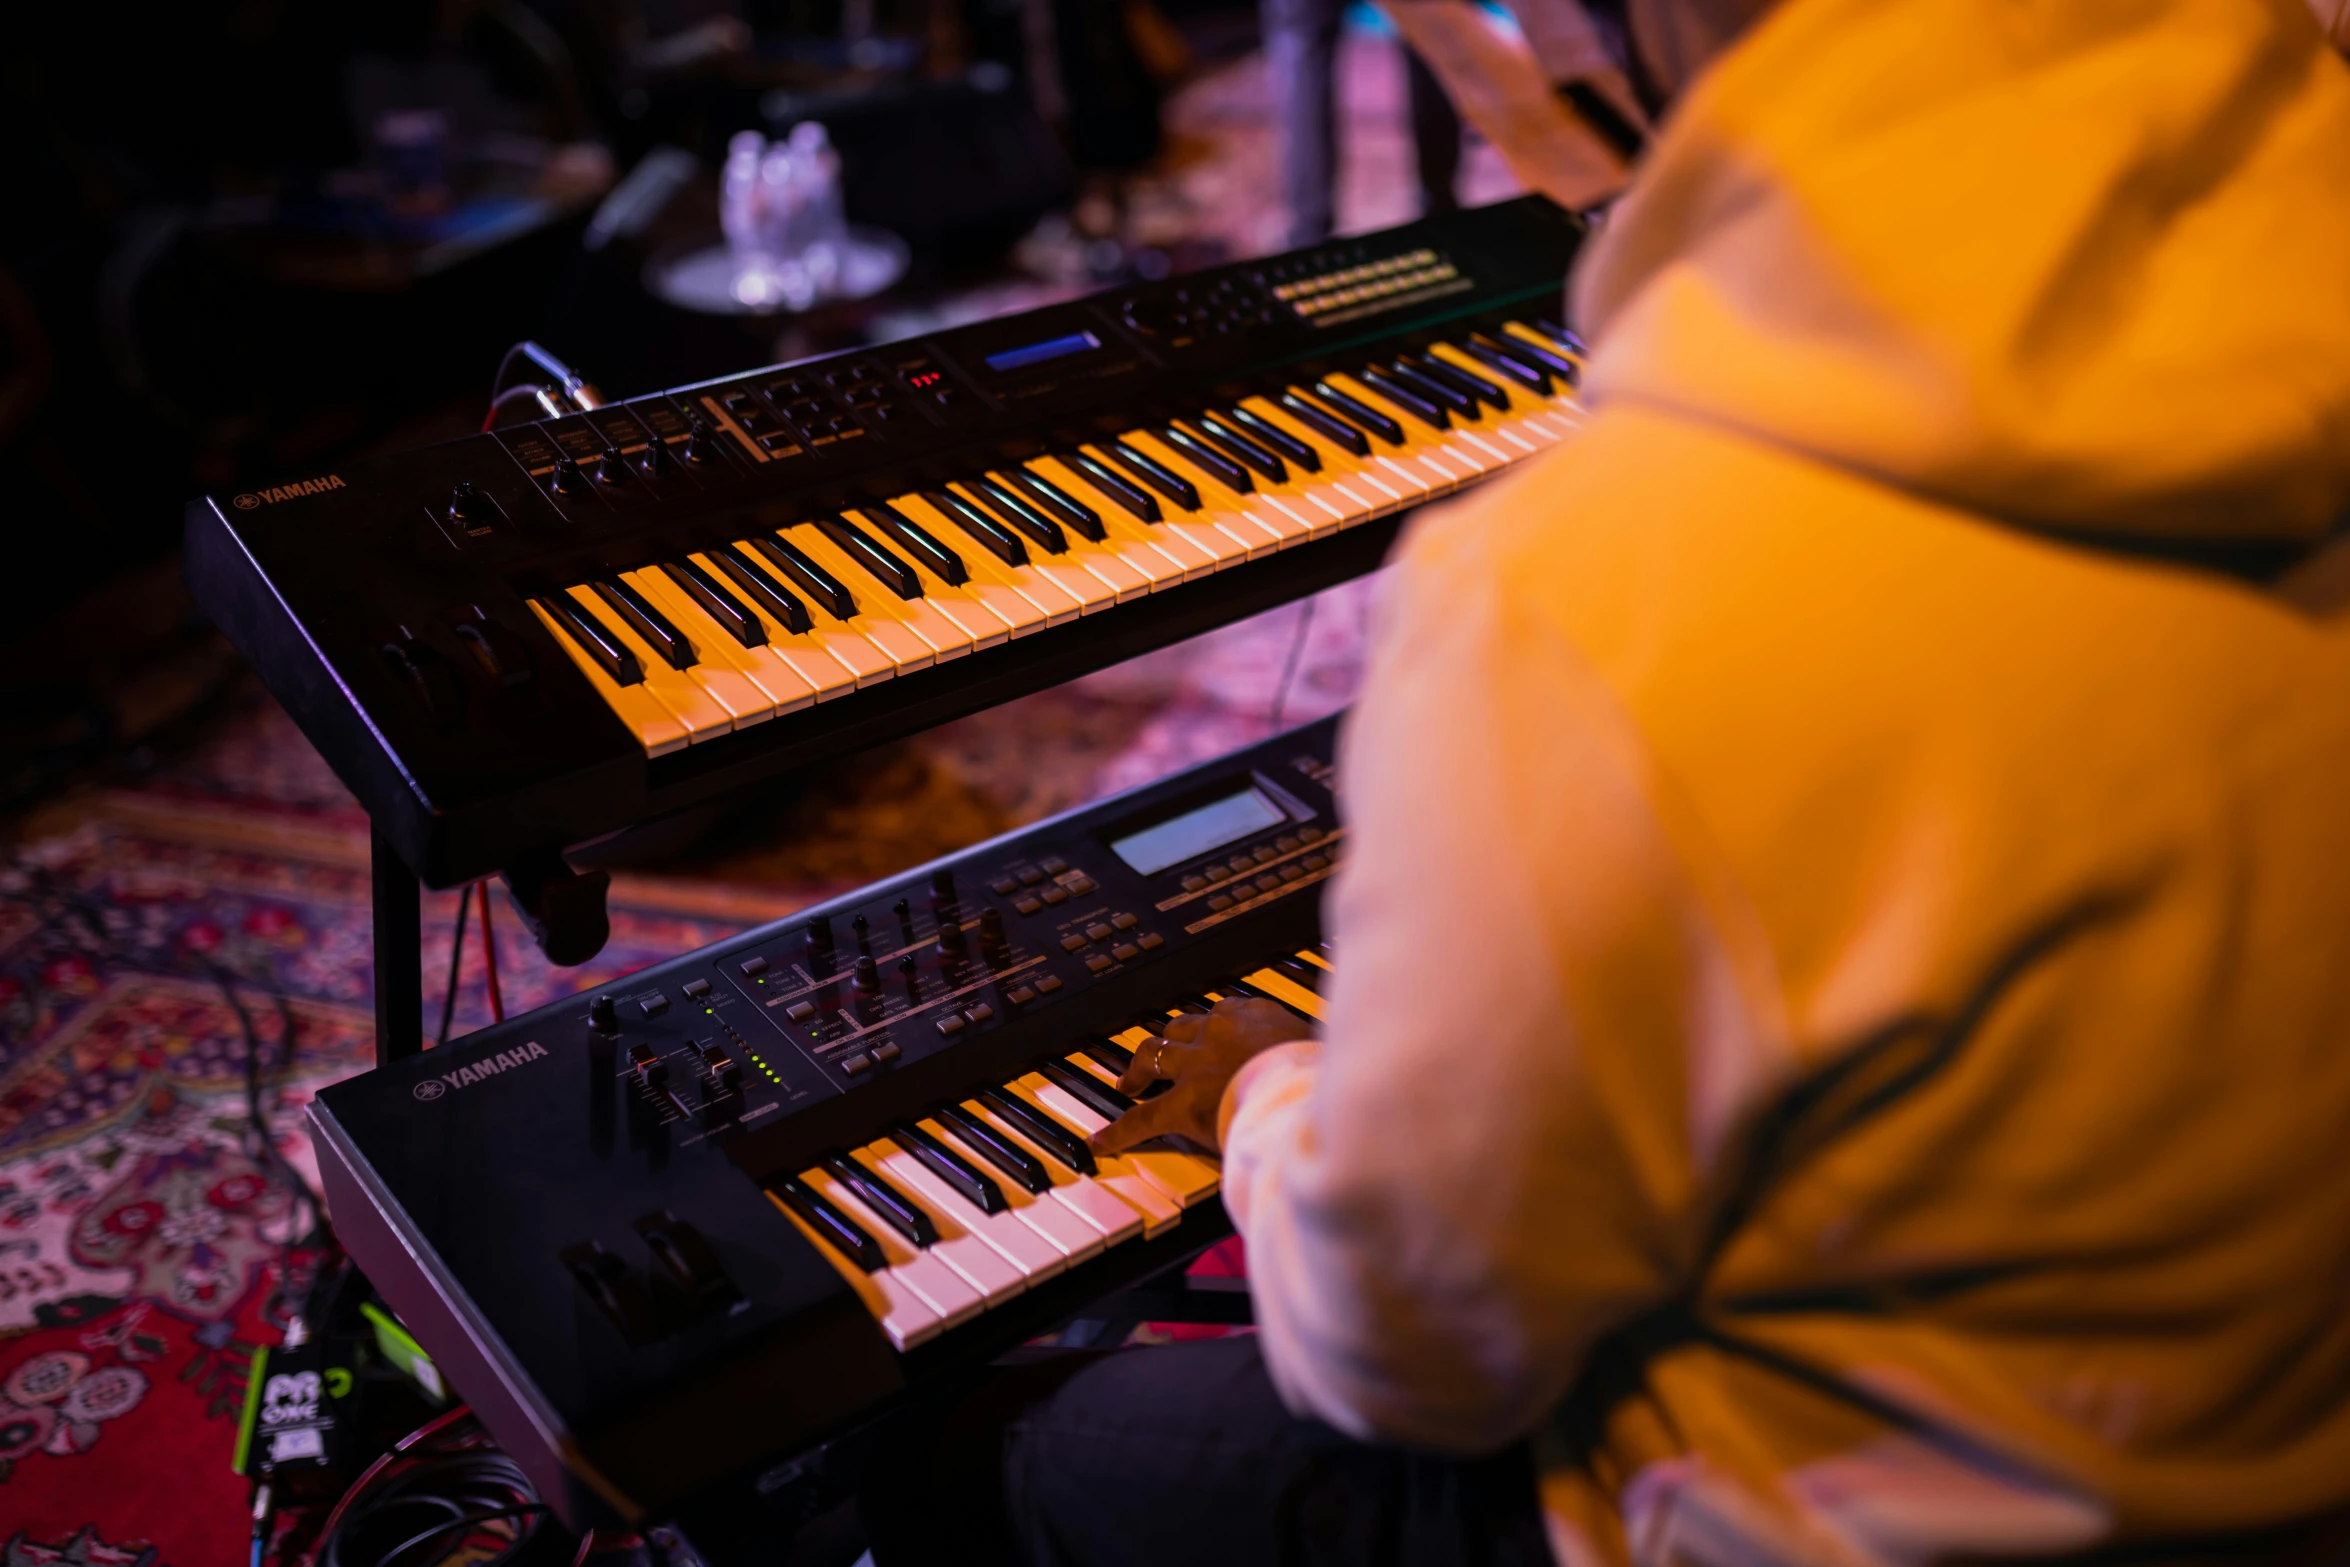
{"x": 1301, "y": 58}
{"x": 1179, "y": 1454}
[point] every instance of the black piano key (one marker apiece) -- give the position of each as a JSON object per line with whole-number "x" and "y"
{"x": 1324, "y": 423}
{"x": 1207, "y": 459}
{"x": 829, "y": 1222}
{"x": 991, "y": 535}
{"x": 764, "y": 591}
{"x": 646, "y": 621}
{"x": 884, "y": 1199}
{"x": 1087, "y": 1089}
{"x": 1431, "y": 368}
{"x": 1356, "y": 411}
{"x": 610, "y": 654}
{"x": 1412, "y": 376}
{"x": 1041, "y": 529}
{"x": 917, "y": 541}
{"x": 1298, "y": 971}
{"x": 1059, "y": 502}
{"x": 734, "y": 617}
{"x": 819, "y": 584}
{"x": 1040, "y": 1129}
{"x": 1426, "y": 407}
{"x": 950, "y": 1167}
{"x": 1116, "y": 486}
{"x": 1157, "y": 475}
{"x": 1562, "y": 335}
{"x": 1241, "y": 449}
{"x": 1527, "y": 371}
{"x": 1279, "y": 440}
{"x": 861, "y": 547}
{"x": 1109, "y": 1053}
{"x": 1007, "y": 1156}
{"x": 1557, "y": 362}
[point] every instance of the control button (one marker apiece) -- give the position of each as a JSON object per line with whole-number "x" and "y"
{"x": 800, "y": 1011}
{"x": 1266, "y": 853}
{"x": 1081, "y": 885}
{"x": 1046, "y": 984}
{"x": 1285, "y": 843}
{"x": 886, "y": 1053}
{"x": 1194, "y": 883}
{"x": 1268, "y": 884}
{"x": 1123, "y": 922}
{"x": 1019, "y": 995}
{"x": 1150, "y": 941}
{"x": 697, "y": 988}
{"x": 1055, "y": 895}
{"x": 1098, "y": 932}
{"x": 1053, "y": 864}
{"x": 1242, "y": 864}
{"x": 1309, "y": 835}
{"x": 1291, "y": 873}
{"x": 979, "y": 1012}
{"x": 1125, "y": 950}
{"x": 952, "y": 1023}
{"x": 1074, "y": 942}
{"x": 860, "y": 1062}
{"x": 1097, "y": 963}
{"x": 1028, "y": 905}
{"x": 1030, "y": 876}
{"x": 1220, "y": 902}
{"x": 1314, "y": 862}
{"x": 755, "y": 966}
{"x": 1217, "y": 872}
{"x": 1004, "y": 886}
{"x": 654, "y": 1006}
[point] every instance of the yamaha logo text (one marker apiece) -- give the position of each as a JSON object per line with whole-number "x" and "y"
{"x": 488, "y": 1066}
{"x": 254, "y": 500}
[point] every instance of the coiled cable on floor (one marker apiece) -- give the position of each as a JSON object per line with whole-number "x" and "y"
{"x": 434, "y": 1495}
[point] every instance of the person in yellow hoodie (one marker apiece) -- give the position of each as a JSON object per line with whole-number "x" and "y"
{"x": 1839, "y": 1051}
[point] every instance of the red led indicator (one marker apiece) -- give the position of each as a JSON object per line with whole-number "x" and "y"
{"x": 923, "y": 380}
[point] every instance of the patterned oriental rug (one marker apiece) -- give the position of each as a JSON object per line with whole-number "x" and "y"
{"x": 142, "y": 1245}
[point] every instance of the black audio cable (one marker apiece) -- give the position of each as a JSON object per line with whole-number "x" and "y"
{"x": 1297, "y": 650}
{"x": 440, "y": 1486}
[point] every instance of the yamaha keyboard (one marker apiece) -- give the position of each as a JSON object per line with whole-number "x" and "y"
{"x": 670, "y": 1234}
{"x": 522, "y": 641}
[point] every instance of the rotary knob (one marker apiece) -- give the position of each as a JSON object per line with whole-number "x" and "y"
{"x": 568, "y": 479}
{"x": 602, "y": 1017}
{"x": 612, "y": 467}
{"x": 658, "y": 459}
{"x": 868, "y": 976}
{"x": 469, "y": 506}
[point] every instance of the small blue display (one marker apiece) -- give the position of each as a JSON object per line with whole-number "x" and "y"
{"x": 1038, "y": 353}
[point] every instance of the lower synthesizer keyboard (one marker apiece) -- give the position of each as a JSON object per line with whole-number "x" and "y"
{"x": 516, "y": 643}
{"x": 745, "y": 1199}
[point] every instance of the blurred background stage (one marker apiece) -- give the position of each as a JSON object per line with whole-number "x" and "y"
{"x": 249, "y": 240}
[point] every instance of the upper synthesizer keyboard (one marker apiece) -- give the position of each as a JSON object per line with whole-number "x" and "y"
{"x": 523, "y": 640}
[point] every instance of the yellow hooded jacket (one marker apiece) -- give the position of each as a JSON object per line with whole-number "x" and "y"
{"x": 1842, "y": 1023}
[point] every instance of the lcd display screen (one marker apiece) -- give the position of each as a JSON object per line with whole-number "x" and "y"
{"x": 1038, "y": 353}
{"x": 1195, "y": 832}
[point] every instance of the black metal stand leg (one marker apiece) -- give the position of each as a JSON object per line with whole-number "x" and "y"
{"x": 399, "y": 956}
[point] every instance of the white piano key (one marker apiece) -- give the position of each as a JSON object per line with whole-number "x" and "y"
{"x": 1359, "y": 491}
{"x": 938, "y": 1286}
{"x": 1465, "y": 459}
{"x": 981, "y": 1265}
{"x": 701, "y": 713}
{"x": 1178, "y": 1178}
{"x": 878, "y": 603}
{"x": 1058, "y": 582}
{"x": 1026, "y": 602}
{"x": 824, "y": 673}
{"x": 1030, "y": 1254}
{"x": 1288, "y": 991}
{"x": 656, "y": 728}
{"x": 1254, "y": 508}
{"x": 785, "y": 691}
{"x": 1067, "y": 1233}
{"x": 1114, "y": 1218}
{"x": 870, "y": 658}
{"x": 1146, "y": 546}
{"x": 1413, "y": 481}
{"x": 906, "y": 1317}
{"x": 1219, "y": 544}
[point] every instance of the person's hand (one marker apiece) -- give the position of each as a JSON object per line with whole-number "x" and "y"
{"x": 1199, "y": 1053}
